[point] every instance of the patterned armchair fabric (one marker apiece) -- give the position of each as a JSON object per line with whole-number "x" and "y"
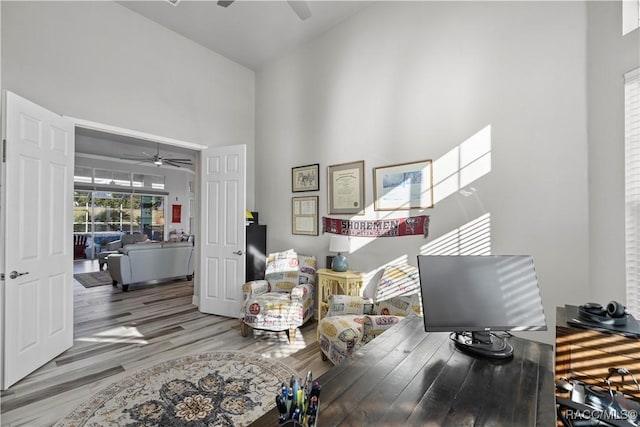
{"x": 284, "y": 300}
{"x": 353, "y": 321}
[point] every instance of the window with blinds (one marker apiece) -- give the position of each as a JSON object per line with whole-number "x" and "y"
{"x": 632, "y": 188}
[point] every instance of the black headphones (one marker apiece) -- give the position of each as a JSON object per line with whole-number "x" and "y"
{"x": 614, "y": 314}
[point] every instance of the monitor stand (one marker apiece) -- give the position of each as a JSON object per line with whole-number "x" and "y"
{"x": 483, "y": 344}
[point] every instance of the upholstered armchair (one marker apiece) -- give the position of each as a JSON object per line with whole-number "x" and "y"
{"x": 353, "y": 321}
{"x": 283, "y": 301}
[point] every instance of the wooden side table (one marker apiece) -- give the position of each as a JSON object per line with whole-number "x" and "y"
{"x": 336, "y": 283}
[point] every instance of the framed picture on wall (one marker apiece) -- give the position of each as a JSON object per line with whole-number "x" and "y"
{"x": 176, "y": 213}
{"x": 403, "y": 186}
{"x": 345, "y": 183}
{"x": 304, "y": 215}
{"x": 305, "y": 178}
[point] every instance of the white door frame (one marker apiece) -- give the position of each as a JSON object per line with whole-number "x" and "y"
{"x": 115, "y": 130}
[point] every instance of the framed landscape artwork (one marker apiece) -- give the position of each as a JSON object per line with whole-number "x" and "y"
{"x": 305, "y": 178}
{"x": 345, "y": 184}
{"x": 403, "y": 186}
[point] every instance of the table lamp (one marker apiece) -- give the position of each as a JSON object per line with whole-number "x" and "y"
{"x": 339, "y": 244}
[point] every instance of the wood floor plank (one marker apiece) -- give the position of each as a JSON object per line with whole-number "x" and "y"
{"x": 118, "y": 333}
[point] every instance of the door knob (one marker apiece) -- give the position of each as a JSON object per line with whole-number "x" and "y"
{"x": 14, "y": 274}
{"x": 238, "y": 252}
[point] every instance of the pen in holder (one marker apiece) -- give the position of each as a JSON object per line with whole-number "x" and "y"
{"x": 298, "y": 403}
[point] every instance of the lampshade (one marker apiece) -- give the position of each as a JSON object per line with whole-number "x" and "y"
{"x": 339, "y": 244}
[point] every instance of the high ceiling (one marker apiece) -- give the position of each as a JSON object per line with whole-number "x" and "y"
{"x": 250, "y": 33}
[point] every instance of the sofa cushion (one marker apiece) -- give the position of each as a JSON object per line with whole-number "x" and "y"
{"x": 128, "y": 239}
{"x": 399, "y": 306}
{"x": 340, "y": 305}
{"x": 144, "y": 247}
{"x": 397, "y": 280}
{"x": 279, "y": 311}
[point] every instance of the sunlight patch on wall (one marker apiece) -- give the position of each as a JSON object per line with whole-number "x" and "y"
{"x": 472, "y": 238}
{"x": 462, "y": 165}
{"x": 456, "y": 169}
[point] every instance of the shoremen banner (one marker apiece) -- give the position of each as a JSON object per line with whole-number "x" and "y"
{"x": 411, "y": 226}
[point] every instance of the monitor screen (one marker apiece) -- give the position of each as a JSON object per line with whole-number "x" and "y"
{"x": 480, "y": 293}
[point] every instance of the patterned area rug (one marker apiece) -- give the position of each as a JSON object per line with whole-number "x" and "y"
{"x": 210, "y": 389}
{"x": 90, "y": 280}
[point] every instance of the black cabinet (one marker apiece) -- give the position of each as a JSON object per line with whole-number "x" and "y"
{"x": 256, "y": 251}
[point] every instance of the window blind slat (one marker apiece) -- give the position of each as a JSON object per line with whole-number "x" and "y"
{"x": 632, "y": 189}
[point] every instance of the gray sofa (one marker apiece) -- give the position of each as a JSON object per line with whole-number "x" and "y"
{"x": 116, "y": 245}
{"x": 142, "y": 262}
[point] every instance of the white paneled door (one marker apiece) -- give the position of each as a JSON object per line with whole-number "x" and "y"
{"x": 222, "y": 230}
{"x": 37, "y": 312}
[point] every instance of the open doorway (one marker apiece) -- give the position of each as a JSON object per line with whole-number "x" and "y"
{"x": 120, "y": 189}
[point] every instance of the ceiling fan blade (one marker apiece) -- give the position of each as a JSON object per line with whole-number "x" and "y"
{"x": 136, "y": 158}
{"x": 178, "y": 160}
{"x": 301, "y": 8}
{"x": 225, "y": 3}
{"x": 144, "y": 161}
{"x": 169, "y": 162}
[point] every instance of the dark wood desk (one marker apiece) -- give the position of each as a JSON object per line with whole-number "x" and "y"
{"x": 412, "y": 378}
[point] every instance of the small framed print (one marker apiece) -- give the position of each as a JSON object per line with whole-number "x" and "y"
{"x": 345, "y": 183}
{"x": 176, "y": 213}
{"x": 305, "y": 178}
{"x": 403, "y": 186}
{"x": 304, "y": 215}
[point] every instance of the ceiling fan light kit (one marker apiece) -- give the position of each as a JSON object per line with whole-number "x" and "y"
{"x": 300, "y": 7}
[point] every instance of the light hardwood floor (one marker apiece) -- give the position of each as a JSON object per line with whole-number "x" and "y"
{"x": 119, "y": 333}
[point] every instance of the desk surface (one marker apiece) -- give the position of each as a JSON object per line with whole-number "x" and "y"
{"x": 409, "y": 377}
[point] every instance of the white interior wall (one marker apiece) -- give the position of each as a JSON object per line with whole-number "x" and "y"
{"x": 610, "y": 56}
{"x": 407, "y": 81}
{"x": 101, "y": 62}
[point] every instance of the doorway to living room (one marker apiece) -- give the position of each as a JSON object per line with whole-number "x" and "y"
{"x": 116, "y": 194}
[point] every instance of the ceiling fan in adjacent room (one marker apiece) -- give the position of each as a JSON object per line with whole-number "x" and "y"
{"x": 159, "y": 160}
{"x": 300, "y": 7}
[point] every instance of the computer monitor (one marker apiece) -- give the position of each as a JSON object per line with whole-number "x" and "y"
{"x": 473, "y": 295}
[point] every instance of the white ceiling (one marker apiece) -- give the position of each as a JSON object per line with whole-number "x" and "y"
{"x": 248, "y": 32}
{"x": 251, "y": 33}
{"x": 110, "y": 146}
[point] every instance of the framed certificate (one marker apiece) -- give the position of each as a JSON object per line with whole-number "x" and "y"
{"x": 345, "y": 184}
{"x": 304, "y": 215}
